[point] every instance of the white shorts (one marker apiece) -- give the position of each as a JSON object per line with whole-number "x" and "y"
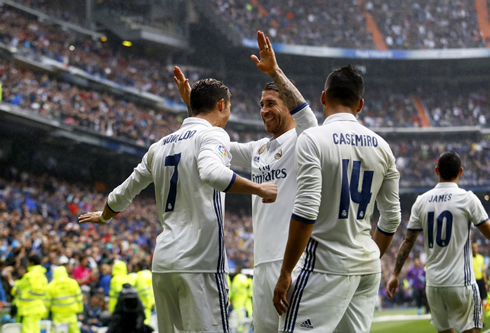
{"x": 265, "y": 318}
{"x": 330, "y": 303}
{"x": 455, "y": 307}
{"x": 191, "y": 302}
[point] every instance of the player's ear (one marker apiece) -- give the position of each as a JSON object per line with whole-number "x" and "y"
{"x": 360, "y": 105}
{"x": 437, "y": 170}
{"x": 323, "y": 98}
{"x": 221, "y": 104}
{"x": 460, "y": 172}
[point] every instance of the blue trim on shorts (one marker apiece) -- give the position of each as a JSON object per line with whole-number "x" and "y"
{"x": 302, "y": 280}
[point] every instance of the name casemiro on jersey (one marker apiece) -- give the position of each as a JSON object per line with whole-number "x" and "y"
{"x": 362, "y": 140}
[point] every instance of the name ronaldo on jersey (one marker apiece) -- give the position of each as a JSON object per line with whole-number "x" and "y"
{"x": 362, "y": 140}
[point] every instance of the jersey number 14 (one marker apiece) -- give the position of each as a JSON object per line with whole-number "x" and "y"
{"x": 351, "y": 191}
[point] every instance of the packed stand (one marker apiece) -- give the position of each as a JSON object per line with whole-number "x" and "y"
{"x": 99, "y": 59}
{"x": 33, "y": 38}
{"x": 97, "y": 111}
{"x": 72, "y": 11}
{"x": 448, "y": 108}
{"x": 416, "y": 159}
{"x": 431, "y": 24}
{"x": 309, "y": 22}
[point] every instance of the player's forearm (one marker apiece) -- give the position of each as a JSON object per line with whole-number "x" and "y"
{"x": 299, "y": 235}
{"x": 404, "y": 251}
{"x": 108, "y": 213}
{"x": 382, "y": 240}
{"x": 245, "y": 186}
{"x": 289, "y": 93}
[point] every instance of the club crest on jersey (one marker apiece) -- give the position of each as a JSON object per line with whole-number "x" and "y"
{"x": 262, "y": 149}
{"x": 278, "y": 154}
{"x": 222, "y": 151}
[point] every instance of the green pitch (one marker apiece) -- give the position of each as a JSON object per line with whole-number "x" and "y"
{"x": 407, "y": 326}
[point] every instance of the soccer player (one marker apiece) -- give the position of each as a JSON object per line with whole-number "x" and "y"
{"x": 343, "y": 168}
{"x": 444, "y": 215}
{"x": 285, "y": 114}
{"x": 190, "y": 170}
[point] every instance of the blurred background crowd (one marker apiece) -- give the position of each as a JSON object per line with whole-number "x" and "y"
{"x": 128, "y": 95}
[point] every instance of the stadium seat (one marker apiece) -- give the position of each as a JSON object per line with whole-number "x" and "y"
{"x": 12, "y": 328}
{"x": 61, "y": 328}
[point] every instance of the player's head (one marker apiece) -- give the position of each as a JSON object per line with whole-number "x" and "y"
{"x": 209, "y": 95}
{"x": 275, "y": 114}
{"x": 449, "y": 166}
{"x": 416, "y": 262}
{"x": 34, "y": 259}
{"x": 345, "y": 87}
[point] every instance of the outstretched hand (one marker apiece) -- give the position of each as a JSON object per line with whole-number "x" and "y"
{"x": 92, "y": 217}
{"x": 267, "y": 62}
{"x": 183, "y": 84}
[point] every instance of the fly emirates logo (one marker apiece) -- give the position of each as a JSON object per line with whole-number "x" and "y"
{"x": 268, "y": 174}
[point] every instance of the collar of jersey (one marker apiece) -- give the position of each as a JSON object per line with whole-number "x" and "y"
{"x": 284, "y": 137}
{"x": 195, "y": 120}
{"x": 447, "y": 184}
{"x": 340, "y": 117}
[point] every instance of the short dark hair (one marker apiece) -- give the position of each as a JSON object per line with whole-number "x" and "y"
{"x": 34, "y": 258}
{"x": 345, "y": 86}
{"x": 449, "y": 165}
{"x": 270, "y": 86}
{"x": 206, "y": 93}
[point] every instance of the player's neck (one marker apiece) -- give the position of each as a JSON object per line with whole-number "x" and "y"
{"x": 337, "y": 109}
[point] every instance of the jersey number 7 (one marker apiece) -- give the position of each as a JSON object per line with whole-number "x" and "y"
{"x": 172, "y": 160}
{"x": 351, "y": 191}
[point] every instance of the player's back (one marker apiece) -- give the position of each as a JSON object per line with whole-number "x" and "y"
{"x": 445, "y": 214}
{"x": 354, "y": 163}
{"x": 191, "y": 211}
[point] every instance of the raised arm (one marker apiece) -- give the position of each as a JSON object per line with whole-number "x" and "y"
{"x": 268, "y": 64}
{"x": 184, "y": 88}
{"x": 290, "y": 95}
{"x": 401, "y": 257}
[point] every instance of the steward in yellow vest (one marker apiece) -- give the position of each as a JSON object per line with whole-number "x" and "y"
{"x": 30, "y": 295}
{"x": 65, "y": 299}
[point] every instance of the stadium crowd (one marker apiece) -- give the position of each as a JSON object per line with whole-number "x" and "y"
{"x": 39, "y": 213}
{"x": 382, "y": 109}
{"x": 425, "y": 25}
{"x": 404, "y": 25}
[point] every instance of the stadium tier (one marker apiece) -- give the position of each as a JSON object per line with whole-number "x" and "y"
{"x": 79, "y": 108}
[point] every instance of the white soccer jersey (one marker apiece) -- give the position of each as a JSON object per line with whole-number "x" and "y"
{"x": 272, "y": 160}
{"x": 343, "y": 168}
{"x": 189, "y": 169}
{"x": 445, "y": 214}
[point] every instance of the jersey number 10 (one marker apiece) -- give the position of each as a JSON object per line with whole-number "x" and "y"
{"x": 351, "y": 191}
{"x": 439, "y": 227}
